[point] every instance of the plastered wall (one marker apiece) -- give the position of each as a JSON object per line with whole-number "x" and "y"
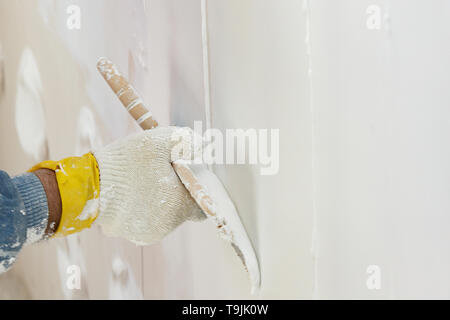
{"x": 158, "y": 45}
{"x": 357, "y": 90}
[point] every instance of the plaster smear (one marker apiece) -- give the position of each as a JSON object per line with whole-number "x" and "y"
{"x": 35, "y": 234}
{"x": 213, "y": 199}
{"x": 90, "y": 210}
{"x": 315, "y": 229}
{"x": 2, "y": 71}
{"x": 47, "y": 11}
{"x": 30, "y": 115}
{"x": 122, "y": 284}
{"x": 87, "y": 136}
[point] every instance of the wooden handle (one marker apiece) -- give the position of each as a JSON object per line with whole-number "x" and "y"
{"x": 135, "y": 106}
{"x": 127, "y": 94}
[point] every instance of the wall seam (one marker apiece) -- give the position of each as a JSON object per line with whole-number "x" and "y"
{"x": 315, "y": 222}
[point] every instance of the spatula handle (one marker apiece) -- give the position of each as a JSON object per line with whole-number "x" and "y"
{"x": 127, "y": 94}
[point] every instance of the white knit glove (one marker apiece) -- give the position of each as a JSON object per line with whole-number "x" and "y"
{"x": 141, "y": 197}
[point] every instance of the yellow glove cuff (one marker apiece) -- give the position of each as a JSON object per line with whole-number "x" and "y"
{"x": 79, "y": 186}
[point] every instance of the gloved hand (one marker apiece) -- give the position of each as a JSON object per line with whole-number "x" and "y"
{"x": 141, "y": 197}
{"x": 129, "y": 188}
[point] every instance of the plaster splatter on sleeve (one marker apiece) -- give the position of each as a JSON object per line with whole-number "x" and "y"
{"x": 23, "y": 215}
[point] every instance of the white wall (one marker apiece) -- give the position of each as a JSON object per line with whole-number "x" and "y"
{"x": 382, "y": 147}
{"x": 363, "y": 117}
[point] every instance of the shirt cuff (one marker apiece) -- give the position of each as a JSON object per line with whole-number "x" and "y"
{"x": 34, "y": 198}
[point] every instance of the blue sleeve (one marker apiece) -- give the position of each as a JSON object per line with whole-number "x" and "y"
{"x": 23, "y": 215}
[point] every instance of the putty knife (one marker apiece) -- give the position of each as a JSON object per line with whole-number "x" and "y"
{"x": 202, "y": 184}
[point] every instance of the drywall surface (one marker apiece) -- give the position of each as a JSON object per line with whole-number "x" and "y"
{"x": 259, "y": 81}
{"x": 80, "y": 115}
{"x": 382, "y": 147}
{"x": 358, "y": 206}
